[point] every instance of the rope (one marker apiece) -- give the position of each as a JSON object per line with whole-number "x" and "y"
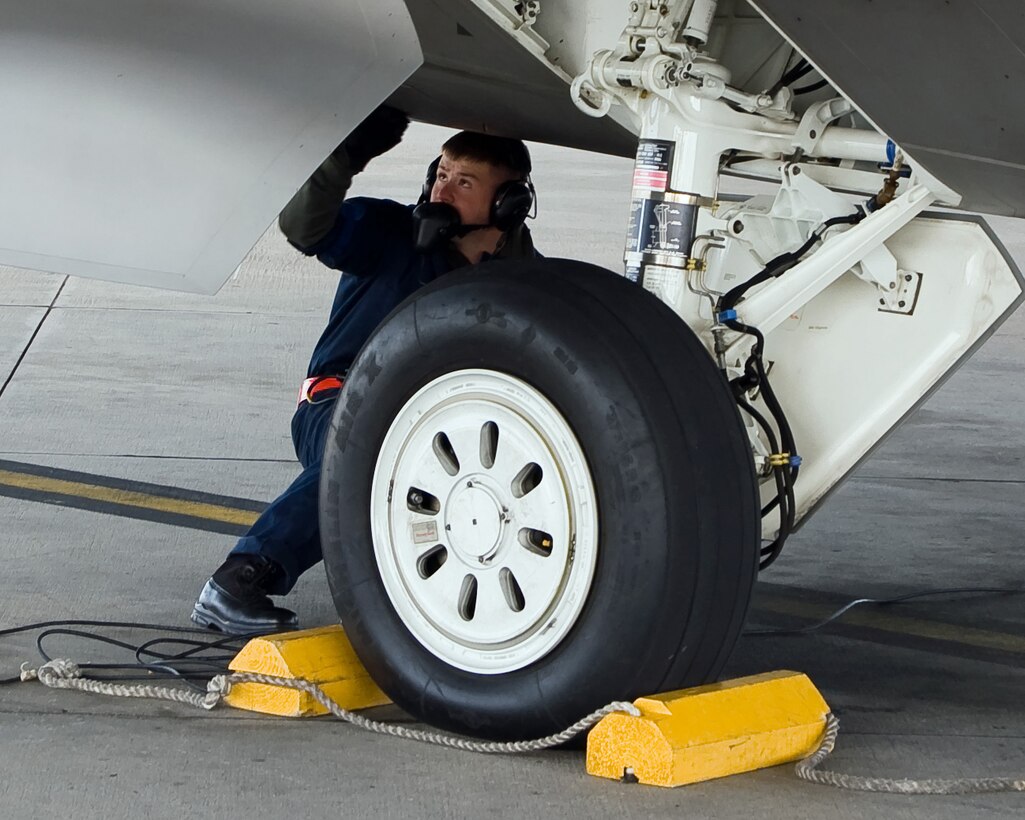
{"x": 64, "y": 674}
{"x": 807, "y": 770}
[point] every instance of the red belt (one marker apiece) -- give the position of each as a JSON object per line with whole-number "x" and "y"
{"x": 315, "y": 385}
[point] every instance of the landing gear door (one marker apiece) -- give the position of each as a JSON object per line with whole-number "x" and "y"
{"x": 852, "y": 364}
{"x": 154, "y": 142}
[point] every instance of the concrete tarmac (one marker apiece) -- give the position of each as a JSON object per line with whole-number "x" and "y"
{"x": 195, "y": 393}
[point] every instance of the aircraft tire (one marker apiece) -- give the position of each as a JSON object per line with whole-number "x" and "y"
{"x": 640, "y": 475}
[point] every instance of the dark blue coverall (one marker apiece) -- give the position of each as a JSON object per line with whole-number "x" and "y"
{"x": 372, "y": 243}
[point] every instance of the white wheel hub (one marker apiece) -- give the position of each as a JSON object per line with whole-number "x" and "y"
{"x": 484, "y": 520}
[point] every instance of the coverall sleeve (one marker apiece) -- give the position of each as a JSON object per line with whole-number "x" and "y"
{"x": 312, "y": 213}
{"x": 365, "y": 232}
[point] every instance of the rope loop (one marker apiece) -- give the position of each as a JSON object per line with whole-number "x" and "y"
{"x": 54, "y": 672}
{"x": 217, "y": 688}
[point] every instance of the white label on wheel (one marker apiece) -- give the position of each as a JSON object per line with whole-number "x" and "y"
{"x": 425, "y": 531}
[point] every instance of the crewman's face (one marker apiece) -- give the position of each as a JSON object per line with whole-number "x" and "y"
{"x": 468, "y": 186}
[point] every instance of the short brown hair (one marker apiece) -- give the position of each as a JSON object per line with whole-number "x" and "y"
{"x": 503, "y": 152}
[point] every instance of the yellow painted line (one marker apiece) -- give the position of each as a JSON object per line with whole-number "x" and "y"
{"x": 127, "y": 498}
{"x": 903, "y": 625}
{"x": 863, "y": 617}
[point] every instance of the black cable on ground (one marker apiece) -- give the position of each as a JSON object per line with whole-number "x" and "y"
{"x": 188, "y": 665}
{"x": 805, "y": 630}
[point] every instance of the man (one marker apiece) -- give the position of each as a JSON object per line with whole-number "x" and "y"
{"x": 479, "y": 193}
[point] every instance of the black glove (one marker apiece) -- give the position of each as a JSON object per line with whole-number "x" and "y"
{"x": 381, "y": 131}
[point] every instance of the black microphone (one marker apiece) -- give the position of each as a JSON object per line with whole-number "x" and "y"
{"x": 437, "y": 222}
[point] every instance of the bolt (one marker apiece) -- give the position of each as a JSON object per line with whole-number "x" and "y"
{"x": 661, "y": 31}
{"x": 901, "y": 304}
{"x": 663, "y": 10}
{"x": 416, "y": 499}
{"x": 907, "y": 277}
{"x": 893, "y": 285}
{"x": 795, "y": 171}
{"x": 738, "y": 226}
{"x": 634, "y": 7}
{"x": 764, "y": 101}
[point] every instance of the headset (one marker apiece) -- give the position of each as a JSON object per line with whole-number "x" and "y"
{"x": 512, "y": 204}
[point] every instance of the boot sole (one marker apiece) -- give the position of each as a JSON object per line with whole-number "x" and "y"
{"x": 209, "y": 620}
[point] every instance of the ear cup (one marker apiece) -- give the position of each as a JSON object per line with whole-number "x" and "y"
{"x": 513, "y": 201}
{"x": 432, "y": 174}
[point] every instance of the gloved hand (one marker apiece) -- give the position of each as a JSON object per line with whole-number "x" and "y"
{"x": 313, "y": 211}
{"x": 381, "y": 131}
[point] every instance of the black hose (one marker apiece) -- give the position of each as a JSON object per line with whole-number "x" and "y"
{"x": 807, "y": 89}
{"x": 801, "y": 68}
{"x": 784, "y": 474}
{"x": 782, "y": 263}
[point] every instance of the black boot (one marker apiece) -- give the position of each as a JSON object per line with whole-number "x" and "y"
{"x": 235, "y": 599}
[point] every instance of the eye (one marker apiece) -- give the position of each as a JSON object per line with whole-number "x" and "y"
{"x": 465, "y": 183}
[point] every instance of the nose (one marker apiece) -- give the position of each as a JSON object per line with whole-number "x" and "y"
{"x": 442, "y": 192}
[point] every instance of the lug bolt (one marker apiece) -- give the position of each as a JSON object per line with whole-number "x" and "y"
{"x": 416, "y": 499}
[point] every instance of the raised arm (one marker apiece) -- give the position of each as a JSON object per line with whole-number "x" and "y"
{"x": 315, "y": 210}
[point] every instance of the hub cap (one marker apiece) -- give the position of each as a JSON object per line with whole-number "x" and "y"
{"x": 484, "y": 521}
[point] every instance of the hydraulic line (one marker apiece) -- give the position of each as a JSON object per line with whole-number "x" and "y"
{"x": 801, "y": 68}
{"x": 786, "y": 461}
{"x": 782, "y": 263}
{"x": 785, "y": 471}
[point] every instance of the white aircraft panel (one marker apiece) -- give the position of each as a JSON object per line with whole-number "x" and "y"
{"x": 153, "y": 142}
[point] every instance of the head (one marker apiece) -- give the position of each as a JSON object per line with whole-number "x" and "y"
{"x": 472, "y": 168}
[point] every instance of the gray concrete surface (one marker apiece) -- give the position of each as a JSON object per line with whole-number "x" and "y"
{"x": 196, "y": 392}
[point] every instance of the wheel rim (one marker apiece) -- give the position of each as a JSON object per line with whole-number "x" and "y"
{"x": 484, "y": 521}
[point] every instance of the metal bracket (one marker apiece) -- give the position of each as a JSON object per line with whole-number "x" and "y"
{"x": 816, "y": 118}
{"x": 771, "y": 305}
{"x": 528, "y": 11}
{"x": 904, "y": 297}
